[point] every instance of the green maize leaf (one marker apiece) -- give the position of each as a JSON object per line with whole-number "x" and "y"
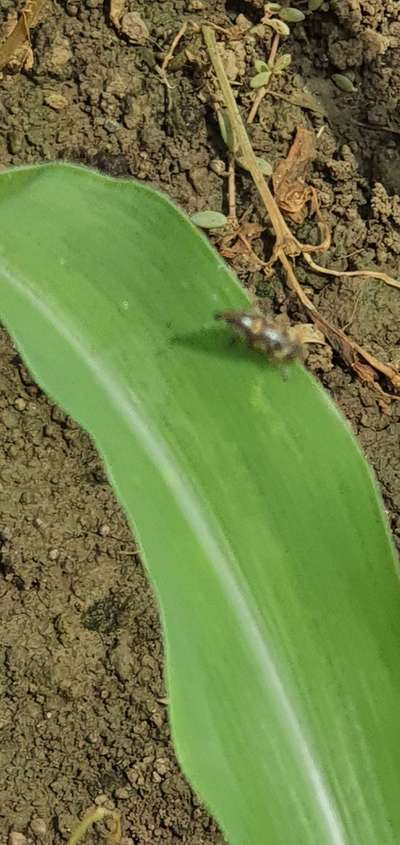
{"x": 260, "y": 524}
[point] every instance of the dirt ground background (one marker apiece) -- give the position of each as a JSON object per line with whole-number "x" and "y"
{"x": 82, "y": 710}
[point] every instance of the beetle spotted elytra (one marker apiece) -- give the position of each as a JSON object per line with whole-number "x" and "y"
{"x": 274, "y": 341}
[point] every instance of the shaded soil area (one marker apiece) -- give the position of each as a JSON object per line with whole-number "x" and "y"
{"x": 83, "y": 715}
{"x": 82, "y": 707}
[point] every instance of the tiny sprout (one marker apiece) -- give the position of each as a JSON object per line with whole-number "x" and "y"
{"x": 291, "y": 15}
{"x": 314, "y": 5}
{"x": 261, "y": 66}
{"x": 279, "y": 26}
{"x": 344, "y": 83}
{"x": 209, "y": 219}
{"x": 261, "y": 79}
{"x": 270, "y": 8}
{"x": 226, "y": 130}
{"x": 263, "y": 165}
{"x": 282, "y": 63}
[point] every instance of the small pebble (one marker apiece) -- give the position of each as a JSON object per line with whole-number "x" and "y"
{"x": 111, "y": 125}
{"x": 15, "y": 141}
{"x": 134, "y": 27}
{"x": 38, "y": 826}
{"x": 54, "y": 554}
{"x": 56, "y": 101}
{"x": 57, "y": 414}
{"x": 59, "y": 55}
{"x": 104, "y": 530}
{"x": 218, "y": 166}
{"x": 20, "y": 404}
{"x": 50, "y": 430}
{"x": 162, "y": 766}
{"x": 122, "y": 793}
{"x": 16, "y": 838}
{"x": 10, "y": 419}
{"x": 107, "y": 802}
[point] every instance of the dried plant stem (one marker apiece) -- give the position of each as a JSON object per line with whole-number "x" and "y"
{"x": 232, "y": 191}
{"x": 348, "y": 347}
{"x": 285, "y": 240}
{"x": 286, "y": 245}
{"x": 371, "y": 274}
{"x": 281, "y": 229}
{"x": 91, "y": 817}
{"x": 169, "y": 56}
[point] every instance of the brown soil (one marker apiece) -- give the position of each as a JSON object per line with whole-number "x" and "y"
{"x": 82, "y": 710}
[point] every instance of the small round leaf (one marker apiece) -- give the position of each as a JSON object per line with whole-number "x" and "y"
{"x": 209, "y": 219}
{"x": 291, "y": 15}
{"x": 261, "y": 66}
{"x": 260, "y": 79}
{"x": 282, "y": 63}
{"x": 279, "y": 26}
{"x": 344, "y": 83}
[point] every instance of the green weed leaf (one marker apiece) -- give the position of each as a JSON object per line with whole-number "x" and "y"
{"x": 261, "y": 79}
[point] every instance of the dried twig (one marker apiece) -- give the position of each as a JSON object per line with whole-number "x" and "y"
{"x": 376, "y": 127}
{"x": 167, "y": 59}
{"x": 169, "y": 56}
{"x": 284, "y": 238}
{"x": 288, "y": 179}
{"x": 287, "y": 246}
{"x": 371, "y": 274}
{"x": 96, "y": 814}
